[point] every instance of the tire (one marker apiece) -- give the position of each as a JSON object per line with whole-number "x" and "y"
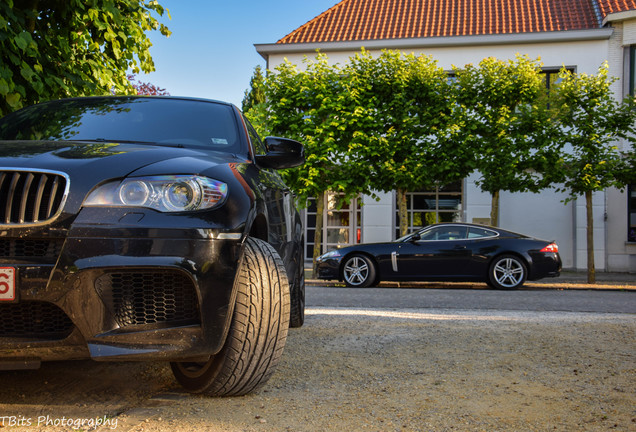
{"x": 359, "y": 271}
{"x": 297, "y": 297}
{"x": 507, "y": 272}
{"x": 257, "y": 333}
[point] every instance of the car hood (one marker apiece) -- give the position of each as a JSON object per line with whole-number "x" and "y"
{"x": 102, "y": 159}
{"x": 88, "y": 164}
{"x": 369, "y": 247}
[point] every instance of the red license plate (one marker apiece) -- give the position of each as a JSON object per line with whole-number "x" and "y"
{"x": 7, "y": 284}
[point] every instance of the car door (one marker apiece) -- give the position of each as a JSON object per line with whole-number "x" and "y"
{"x": 439, "y": 252}
{"x": 482, "y": 243}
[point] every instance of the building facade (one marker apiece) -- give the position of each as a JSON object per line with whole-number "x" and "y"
{"x": 578, "y": 34}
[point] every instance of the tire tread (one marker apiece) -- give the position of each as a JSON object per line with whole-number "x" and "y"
{"x": 258, "y": 332}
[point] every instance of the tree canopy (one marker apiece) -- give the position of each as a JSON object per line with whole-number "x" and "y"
{"x": 62, "y": 48}
{"x": 400, "y": 116}
{"x": 392, "y": 121}
{"x": 255, "y": 95}
{"x": 309, "y": 105}
{"x": 499, "y": 100}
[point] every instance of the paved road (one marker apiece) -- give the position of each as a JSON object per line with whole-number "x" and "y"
{"x": 623, "y": 302}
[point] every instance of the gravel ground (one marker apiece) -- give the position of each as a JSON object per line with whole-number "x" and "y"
{"x": 371, "y": 370}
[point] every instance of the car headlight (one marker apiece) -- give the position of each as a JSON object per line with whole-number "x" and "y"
{"x": 331, "y": 254}
{"x": 174, "y": 193}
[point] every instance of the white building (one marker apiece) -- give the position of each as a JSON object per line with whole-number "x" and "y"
{"x": 580, "y": 34}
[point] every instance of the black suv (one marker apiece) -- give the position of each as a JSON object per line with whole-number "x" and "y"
{"x": 146, "y": 228}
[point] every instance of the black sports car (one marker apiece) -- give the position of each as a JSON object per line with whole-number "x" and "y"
{"x": 446, "y": 252}
{"x": 146, "y": 228}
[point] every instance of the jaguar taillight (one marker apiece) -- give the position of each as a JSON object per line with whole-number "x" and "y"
{"x": 552, "y": 247}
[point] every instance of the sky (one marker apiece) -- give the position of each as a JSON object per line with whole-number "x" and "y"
{"x": 211, "y": 53}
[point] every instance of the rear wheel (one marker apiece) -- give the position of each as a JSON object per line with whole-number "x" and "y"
{"x": 359, "y": 271}
{"x": 258, "y": 330}
{"x": 507, "y": 272}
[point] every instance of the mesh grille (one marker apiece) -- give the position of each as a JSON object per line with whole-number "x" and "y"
{"x": 149, "y": 297}
{"x": 27, "y": 248}
{"x": 30, "y": 197}
{"x": 34, "y": 319}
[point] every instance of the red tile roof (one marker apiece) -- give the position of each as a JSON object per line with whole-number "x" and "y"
{"x": 353, "y": 20}
{"x": 611, "y": 6}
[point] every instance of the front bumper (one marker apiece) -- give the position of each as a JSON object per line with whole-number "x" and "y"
{"x": 122, "y": 294}
{"x": 328, "y": 268}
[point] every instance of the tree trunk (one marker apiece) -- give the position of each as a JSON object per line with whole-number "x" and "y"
{"x": 494, "y": 209}
{"x": 591, "y": 270}
{"x": 402, "y": 212}
{"x": 320, "y": 209}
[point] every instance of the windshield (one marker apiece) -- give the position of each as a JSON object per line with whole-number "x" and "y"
{"x": 164, "y": 121}
{"x": 407, "y": 237}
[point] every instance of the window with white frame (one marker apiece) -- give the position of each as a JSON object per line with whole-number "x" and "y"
{"x": 426, "y": 207}
{"x": 341, "y": 223}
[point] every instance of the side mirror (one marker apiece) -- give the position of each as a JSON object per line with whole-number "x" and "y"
{"x": 415, "y": 237}
{"x": 281, "y": 153}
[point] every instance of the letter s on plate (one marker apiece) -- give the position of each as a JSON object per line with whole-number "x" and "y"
{"x": 7, "y": 284}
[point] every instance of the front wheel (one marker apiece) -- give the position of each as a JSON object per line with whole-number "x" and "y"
{"x": 258, "y": 330}
{"x": 359, "y": 271}
{"x": 507, "y": 272}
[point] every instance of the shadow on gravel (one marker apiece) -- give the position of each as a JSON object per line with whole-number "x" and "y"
{"x": 79, "y": 389}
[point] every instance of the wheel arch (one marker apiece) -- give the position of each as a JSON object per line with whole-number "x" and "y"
{"x": 527, "y": 261}
{"x": 259, "y": 228}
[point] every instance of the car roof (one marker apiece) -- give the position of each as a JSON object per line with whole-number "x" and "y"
{"x": 471, "y": 225}
{"x": 186, "y": 98}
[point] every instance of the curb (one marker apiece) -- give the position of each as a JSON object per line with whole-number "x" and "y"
{"x": 625, "y": 282}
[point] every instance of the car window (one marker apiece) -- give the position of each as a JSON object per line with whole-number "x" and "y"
{"x": 447, "y": 232}
{"x": 259, "y": 147}
{"x": 474, "y": 233}
{"x": 168, "y": 121}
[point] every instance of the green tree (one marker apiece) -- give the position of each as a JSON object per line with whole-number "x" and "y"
{"x": 309, "y": 106}
{"x": 400, "y": 119}
{"x": 259, "y": 118}
{"x": 255, "y": 95}
{"x": 503, "y": 107}
{"x": 59, "y": 48}
{"x": 254, "y": 104}
{"x": 592, "y": 121}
